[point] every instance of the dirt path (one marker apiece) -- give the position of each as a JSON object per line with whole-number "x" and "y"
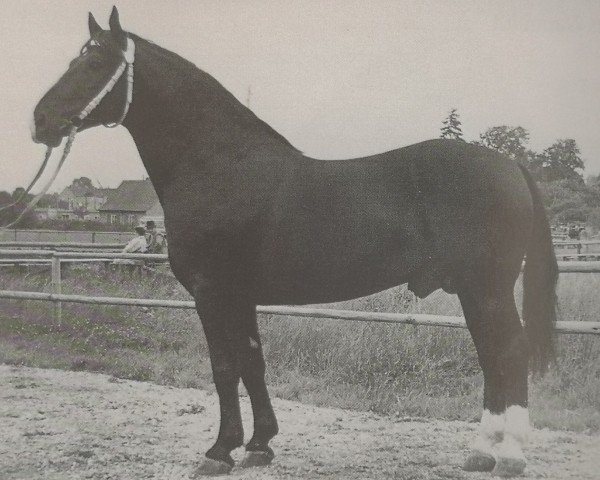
{"x": 71, "y": 425}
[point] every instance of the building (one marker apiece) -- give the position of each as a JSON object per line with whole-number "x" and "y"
{"x": 130, "y": 202}
{"x": 82, "y": 200}
{"x": 49, "y": 213}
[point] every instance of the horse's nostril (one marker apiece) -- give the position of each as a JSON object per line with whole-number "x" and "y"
{"x": 40, "y": 120}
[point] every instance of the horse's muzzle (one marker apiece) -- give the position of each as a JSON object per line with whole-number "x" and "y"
{"x": 43, "y": 132}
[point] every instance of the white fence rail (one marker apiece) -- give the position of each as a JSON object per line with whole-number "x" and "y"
{"x": 57, "y": 297}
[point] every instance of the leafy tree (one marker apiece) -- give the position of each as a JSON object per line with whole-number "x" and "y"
{"x": 18, "y": 192}
{"x": 49, "y": 200}
{"x": 10, "y": 214}
{"x": 83, "y": 182}
{"x": 80, "y": 210}
{"x": 5, "y": 198}
{"x": 451, "y": 126}
{"x": 510, "y": 141}
{"x": 562, "y": 161}
{"x": 566, "y": 200}
{"x": 593, "y": 220}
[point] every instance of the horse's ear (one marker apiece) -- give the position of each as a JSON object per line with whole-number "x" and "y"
{"x": 115, "y": 27}
{"x": 93, "y": 25}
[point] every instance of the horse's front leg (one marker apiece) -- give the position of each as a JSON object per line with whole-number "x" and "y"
{"x": 221, "y": 318}
{"x": 258, "y": 452}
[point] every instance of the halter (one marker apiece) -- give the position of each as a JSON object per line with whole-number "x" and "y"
{"x": 125, "y": 65}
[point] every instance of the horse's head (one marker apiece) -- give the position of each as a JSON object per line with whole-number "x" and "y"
{"x": 94, "y": 90}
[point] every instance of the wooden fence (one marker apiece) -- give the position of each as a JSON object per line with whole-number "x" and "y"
{"x": 577, "y": 250}
{"x": 63, "y": 245}
{"x": 55, "y": 258}
{"x": 26, "y": 235}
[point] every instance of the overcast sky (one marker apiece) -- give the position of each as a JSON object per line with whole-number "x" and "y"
{"x": 337, "y": 78}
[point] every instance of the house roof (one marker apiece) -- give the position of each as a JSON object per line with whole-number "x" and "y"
{"x": 131, "y": 196}
{"x": 104, "y": 192}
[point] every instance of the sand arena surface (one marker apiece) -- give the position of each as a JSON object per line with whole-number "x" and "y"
{"x": 73, "y": 425}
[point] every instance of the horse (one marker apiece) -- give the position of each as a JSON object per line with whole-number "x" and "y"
{"x": 253, "y": 221}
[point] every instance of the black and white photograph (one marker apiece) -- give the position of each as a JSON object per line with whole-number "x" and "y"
{"x": 275, "y": 239}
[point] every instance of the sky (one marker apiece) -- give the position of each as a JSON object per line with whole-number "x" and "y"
{"x": 338, "y": 79}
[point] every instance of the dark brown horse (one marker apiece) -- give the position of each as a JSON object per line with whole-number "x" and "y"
{"x": 253, "y": 221}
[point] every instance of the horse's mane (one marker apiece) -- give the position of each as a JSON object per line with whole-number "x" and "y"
{"x": 197, "y": 80}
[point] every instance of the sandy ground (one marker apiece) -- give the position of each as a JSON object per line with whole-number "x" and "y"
{"x": 72, "y": 425}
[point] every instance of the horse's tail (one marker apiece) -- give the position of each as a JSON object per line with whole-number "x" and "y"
{"x": 539, "y": 284}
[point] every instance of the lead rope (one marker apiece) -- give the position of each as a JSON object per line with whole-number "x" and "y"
{"x": 28, "y": 189}
{"x": 39, "y": 196}
{"x": 126, "y": 64}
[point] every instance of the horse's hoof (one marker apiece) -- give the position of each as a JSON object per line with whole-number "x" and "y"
{"x": 479, "y": 461}
{"x": 211, "y": 468}
{"x": 509, "y": 467}
{"x": 257, "y": 458}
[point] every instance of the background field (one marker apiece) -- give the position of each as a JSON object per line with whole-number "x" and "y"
{"x": 390, "y": 369}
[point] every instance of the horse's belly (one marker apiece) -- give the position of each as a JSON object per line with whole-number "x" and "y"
{"x": 334, "y": 277}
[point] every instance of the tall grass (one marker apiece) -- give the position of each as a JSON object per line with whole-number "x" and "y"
{"x": 391, "y": 369}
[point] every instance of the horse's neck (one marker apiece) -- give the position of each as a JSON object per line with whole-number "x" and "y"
{"x": 183, "y": 121}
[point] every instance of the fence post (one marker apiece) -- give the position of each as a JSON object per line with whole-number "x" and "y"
{"x": 93, "y": 237}
{"x": 57, "y": 287}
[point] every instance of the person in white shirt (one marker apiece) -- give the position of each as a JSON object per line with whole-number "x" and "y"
{"x": 135, "y": 245}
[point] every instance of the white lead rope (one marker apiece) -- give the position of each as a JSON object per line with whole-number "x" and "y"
{"x": 39, "y": 196}
{"x": 32, "y": 183}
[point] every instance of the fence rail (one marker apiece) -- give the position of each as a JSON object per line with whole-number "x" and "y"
{"x": 57, "y": 297}
{"x": 581, "y": 246}
{"x": 63, "y": 245}
{"x": 591, "y": 328}
{"x": 64, "y": 236}
{"x": 563, "y": 267}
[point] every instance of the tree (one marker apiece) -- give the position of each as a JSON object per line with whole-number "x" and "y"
{"x": 83, "y": 182}
{"x": 568, "y": 200}
{"x": 451, "y": 126}
{"x": 5, "y": 198}
{"x": 49, "y": 200}
{"x": 562, "y": 161}
{"x": 510, "y": 141}
{"x": 80, "y": 210}
{"x": 10, "y": 214}
{"x": 18, "y": 193}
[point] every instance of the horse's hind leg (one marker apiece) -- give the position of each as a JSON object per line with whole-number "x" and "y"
{"x": 494, "y": 324}
{"x": 258, "y": 451}
{"x": 514, "y": 367}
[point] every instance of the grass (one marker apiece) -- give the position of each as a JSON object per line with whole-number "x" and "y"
{"x": 389, "y": 369}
